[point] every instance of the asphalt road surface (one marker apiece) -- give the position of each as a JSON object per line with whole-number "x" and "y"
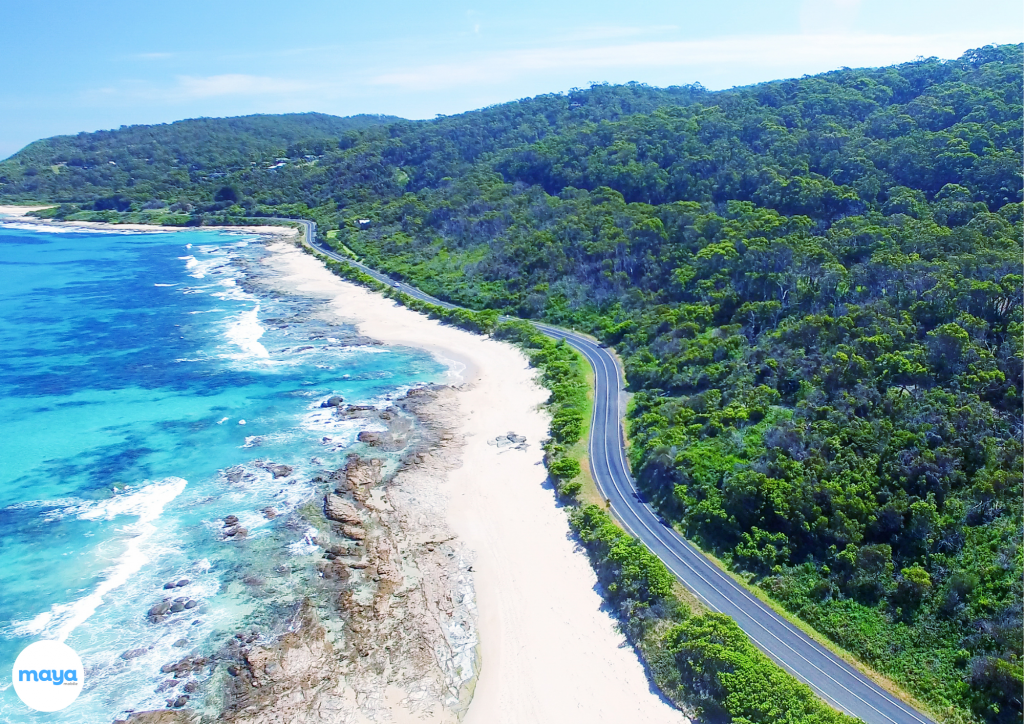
{"x": 834, "y": 680}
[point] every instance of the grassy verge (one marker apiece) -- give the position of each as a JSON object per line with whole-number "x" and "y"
{"x": 883, "y": 681}
{"x": 580, "y": 451}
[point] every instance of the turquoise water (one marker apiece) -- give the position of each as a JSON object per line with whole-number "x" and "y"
{"x": 128, "y": 362}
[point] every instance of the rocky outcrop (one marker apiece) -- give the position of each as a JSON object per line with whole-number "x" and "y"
{"x": 358, "y": 477}
{"x": 280, "y": 471}
{"x": 394, "y": 585}
{"x": 333, "y": 401}
{"x": 510, "y": 438}
{"x": 353, "y": 412}
{"x": 341, "y": 511}
{"x": 375, "y": 439}
{"x": 353, "y": 532}
{"x": 164, "y": 717}
{"x": 296, "y": 679}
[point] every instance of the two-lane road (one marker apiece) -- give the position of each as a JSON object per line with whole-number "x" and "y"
{"x": 835, "y": 681}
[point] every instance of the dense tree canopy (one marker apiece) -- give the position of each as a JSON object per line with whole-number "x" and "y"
{"x": 816, "y": 289}
{"x": 152, "y": 163}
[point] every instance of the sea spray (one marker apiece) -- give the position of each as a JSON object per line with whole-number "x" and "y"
{"x": 147, "y": 504}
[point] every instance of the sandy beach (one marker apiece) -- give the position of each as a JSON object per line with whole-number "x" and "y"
{"x": 18, "y": 213}
{"x": 548, "y": 651}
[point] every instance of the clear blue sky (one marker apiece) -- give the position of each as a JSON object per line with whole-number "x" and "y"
{"x": 78, "y": 66}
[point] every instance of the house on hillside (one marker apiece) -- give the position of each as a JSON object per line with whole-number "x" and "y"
{"x": 363, "y": 223}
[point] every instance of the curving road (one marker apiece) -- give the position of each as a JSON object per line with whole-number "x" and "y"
{"x": 834, "y": 680}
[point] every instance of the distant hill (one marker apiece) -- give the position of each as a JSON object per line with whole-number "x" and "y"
{"x": 166, "y": 157}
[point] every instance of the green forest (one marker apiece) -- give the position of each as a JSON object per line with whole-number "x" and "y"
{"x": 815, "y": 286}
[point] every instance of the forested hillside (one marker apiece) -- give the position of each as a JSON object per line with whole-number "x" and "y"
{"x": 157, "y": 162}
{"x": 816, "y": 289}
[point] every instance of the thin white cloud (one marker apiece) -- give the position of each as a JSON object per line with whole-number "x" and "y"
{"x": 815, "y": 52}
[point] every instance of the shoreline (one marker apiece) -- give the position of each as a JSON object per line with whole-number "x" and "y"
{"x": 548, "y": 649}
{"x": 18, "y": 214}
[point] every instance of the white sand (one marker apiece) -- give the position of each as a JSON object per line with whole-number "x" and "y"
{"x": 19, "y": 212}
{"x": 549, "y": 653}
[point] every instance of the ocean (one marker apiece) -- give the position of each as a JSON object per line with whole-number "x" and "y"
{"x": 150, "y": 385}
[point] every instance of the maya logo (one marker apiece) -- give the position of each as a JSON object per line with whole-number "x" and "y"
{"x": 40, "y": 668}
{"x": 54, "y": 676}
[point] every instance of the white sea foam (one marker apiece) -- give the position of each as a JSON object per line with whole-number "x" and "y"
{"x": 54, "y": 229}
{"x": 166, "y": 285}
{"x": 306, "y": 546}
{"x": 368, "y": 349}
{"x": 200, "y": 268}
{"x": 245, "y": 331}
{"x": 56, "y": 503}
{"x": 455, "y": 371}
{"x": 231, "y": 291}
{"x": 147, "y": 503}
{"x": 321, "y": 420}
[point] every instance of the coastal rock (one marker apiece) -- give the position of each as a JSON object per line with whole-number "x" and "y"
{"x": 269, "y": 513}
{"x": 374, "y": 439}
{"x": 358, "y": 476}
{"x": 353, "y": 532}
{"x": 280, "y": 471}
{"x": 185, "y": 666}
{"x": 163, "y": 717}
{"x": 338, "y": 509}
{"x": 230, "y": 520}
{"x": 334, "y": 401}
{"x": 282, "y": 682}
{"x": 355, "y": 411}
{"x": 189, "y": 605}
{"x": 404, "y": 626}
{"x": 177, "y": 606}
{"x": 340, "y": 551}
{"x": 180, "y": 643}
{"x": 133, "y": 654}
{"x": 333, "y": 570}
{"x": 234, "y": 474}
{"x": 160, "y": 609}
{"x": 182, "y": 582}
